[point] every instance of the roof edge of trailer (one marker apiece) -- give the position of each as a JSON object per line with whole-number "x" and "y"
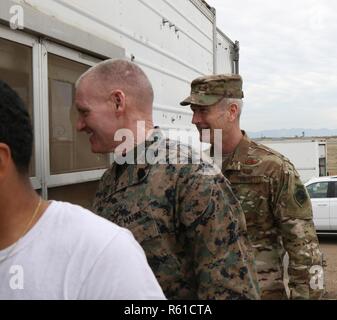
{"x": 48, "y": 27}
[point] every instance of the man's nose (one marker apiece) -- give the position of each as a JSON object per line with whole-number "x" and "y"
{"x": 195, "y": 118}
{"x": 80, "y": 125}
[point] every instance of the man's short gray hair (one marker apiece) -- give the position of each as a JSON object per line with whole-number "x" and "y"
{"x": 123, "y": 74}
{"x": 238, "y": 102}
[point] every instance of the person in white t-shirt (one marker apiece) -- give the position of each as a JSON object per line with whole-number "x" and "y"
{"x": 56, "y": 250}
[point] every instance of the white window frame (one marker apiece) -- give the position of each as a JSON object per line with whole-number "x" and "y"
{"x": 32, "y": 42}
{"x": 57, "y": 180}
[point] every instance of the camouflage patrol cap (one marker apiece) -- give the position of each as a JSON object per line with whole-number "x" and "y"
{"x": 208, "y": 90}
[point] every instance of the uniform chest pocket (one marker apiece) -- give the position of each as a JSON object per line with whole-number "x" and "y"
{"x": 142, "y": 224}
{"x": 155, "y": 240}
{"x": 253, "y": 192}
{"x": 135, "y": 217}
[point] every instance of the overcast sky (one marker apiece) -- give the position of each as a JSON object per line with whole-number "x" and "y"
{"x": 288, "y": 60}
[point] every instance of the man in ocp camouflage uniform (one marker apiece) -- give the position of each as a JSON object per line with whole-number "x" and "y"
{"x": 184, "y": 215}
{"x": 276, "y": 204}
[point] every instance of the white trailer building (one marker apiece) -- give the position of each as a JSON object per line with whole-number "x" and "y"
{"x": 308, "y": 155}
{"x": 46, "y": 44}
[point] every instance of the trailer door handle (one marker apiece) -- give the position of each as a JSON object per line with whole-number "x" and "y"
{"x": 322, "y": 205}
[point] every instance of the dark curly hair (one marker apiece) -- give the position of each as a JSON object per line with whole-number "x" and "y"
{"x": 15, "y": 127}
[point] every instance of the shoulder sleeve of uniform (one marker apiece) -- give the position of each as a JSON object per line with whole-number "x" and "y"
{"x": 294, "y": 216}
{"x": 206, "y": 210}
{"x": 292, "y": 198}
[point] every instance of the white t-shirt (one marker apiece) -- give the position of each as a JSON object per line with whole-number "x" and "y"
{"x": 71, "y": 253}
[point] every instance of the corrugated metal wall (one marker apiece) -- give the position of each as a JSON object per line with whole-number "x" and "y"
{"x": 224, "y": 54}
{"x": 172, "y": 41}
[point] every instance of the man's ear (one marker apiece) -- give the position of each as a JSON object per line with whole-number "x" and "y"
{"x": 233, "y": 109}
{"x": 118, "y": 100}
{"x": 5, "y": 158}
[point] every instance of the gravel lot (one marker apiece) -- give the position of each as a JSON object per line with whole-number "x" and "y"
{"x": 328, "y": 246}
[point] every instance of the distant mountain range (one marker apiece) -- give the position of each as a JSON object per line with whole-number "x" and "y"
{"x": 291, "y": 133}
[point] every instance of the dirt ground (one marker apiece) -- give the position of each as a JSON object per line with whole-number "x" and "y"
{"x": 328, "y": 246}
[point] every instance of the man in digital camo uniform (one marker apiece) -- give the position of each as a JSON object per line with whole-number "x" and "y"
{"x": 185, "y": 216}
{"x": 276, "y": 204}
